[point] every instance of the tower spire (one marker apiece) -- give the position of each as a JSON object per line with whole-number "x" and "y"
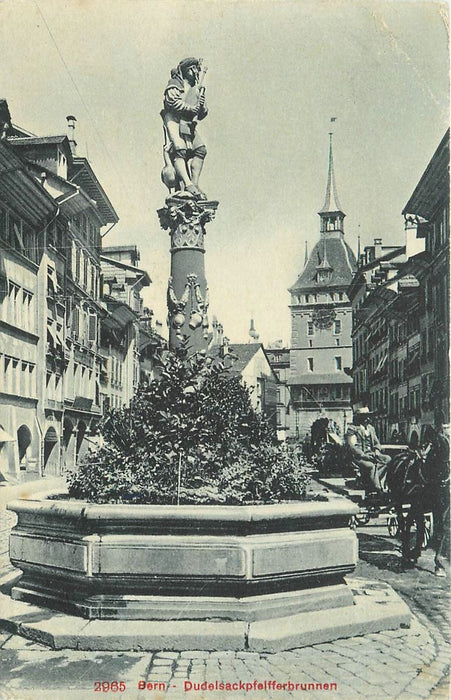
{"x": 331, "y": 202}
{"x": 331, "y": 213}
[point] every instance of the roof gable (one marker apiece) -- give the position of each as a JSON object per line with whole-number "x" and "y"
{"x": 82, "y": 174}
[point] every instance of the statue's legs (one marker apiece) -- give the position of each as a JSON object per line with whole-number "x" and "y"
{"x": 179, "y": 151}
{"x": 196, "y": 169}
{"x": 197, "y": 162}
{"x": 182, "y": 171}
{"x": 187, "y": 175}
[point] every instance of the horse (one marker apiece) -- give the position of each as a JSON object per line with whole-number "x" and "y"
{"x": 420, "y": 478}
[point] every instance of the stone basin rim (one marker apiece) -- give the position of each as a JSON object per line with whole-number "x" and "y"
{"x": 137, "y": 512}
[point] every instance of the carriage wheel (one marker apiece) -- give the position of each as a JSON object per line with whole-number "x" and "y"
{"x": 362, "y": 518}
{"x": 392, "y": 525}
{"x": 428, "y": 529}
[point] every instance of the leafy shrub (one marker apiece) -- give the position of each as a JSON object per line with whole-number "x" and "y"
{"x": 189, "y": 436}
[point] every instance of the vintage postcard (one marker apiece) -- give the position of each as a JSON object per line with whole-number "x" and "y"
{"x": 224, "y": 343}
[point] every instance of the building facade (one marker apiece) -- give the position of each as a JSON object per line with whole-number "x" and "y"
{"x": 400, "y": 300}
{"x": 128, "y": 342}
{"x": 25, "y": 210}
{"x": 321, "y": 348}
{"x": 53, "y": 211}
{"x": 251, "y": 362}
{"x": 279, "y": 359}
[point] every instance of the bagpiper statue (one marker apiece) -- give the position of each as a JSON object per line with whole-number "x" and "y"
{"x": 184, "y": 150}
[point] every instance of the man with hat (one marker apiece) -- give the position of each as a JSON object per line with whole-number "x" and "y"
{"x": 365, "y": 449}
{"x": 183, "y": 106}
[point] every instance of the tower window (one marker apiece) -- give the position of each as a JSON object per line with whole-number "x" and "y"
{"x": 310, "y": 328}
{"x": 338, "y": 363}
{"x": 310, "y": 364}
{"x": 337, "y": 327}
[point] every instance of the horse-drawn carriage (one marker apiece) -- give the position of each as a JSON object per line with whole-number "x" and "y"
{"x": 418, "y": 490}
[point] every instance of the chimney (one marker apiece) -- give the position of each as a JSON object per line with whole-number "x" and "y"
{"x": 71, "y": 133}
{"x": 377, "y": 248}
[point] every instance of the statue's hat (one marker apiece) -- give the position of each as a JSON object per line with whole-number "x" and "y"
{"x": 188, "y": 62}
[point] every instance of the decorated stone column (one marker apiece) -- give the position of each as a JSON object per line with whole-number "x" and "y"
{"x": 187, "y": 209}
{"x": 187, "y": 297}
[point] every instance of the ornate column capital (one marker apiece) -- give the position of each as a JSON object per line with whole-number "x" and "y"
{"x": 185, "y": 221}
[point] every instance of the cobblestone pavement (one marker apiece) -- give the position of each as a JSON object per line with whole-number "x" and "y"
{"x": 402, "y": 664}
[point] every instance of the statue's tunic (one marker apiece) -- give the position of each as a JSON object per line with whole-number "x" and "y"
{"x": 179, "y": 114}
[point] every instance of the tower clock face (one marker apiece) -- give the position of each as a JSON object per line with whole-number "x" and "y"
{"x": 323, "y": 317}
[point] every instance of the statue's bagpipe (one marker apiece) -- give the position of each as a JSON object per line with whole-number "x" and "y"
{"x": 194, "y": 97}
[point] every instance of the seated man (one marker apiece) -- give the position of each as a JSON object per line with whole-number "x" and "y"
{"x": 364, "y": 447}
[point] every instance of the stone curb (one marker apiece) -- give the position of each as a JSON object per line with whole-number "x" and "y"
{"x": 376, "y": 607}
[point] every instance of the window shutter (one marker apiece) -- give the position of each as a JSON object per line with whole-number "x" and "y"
{"x": 92, "y": 327}
{"x": 75, "y": 320}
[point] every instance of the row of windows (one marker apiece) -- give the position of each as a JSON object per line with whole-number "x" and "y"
{"x": 22, "y": 238}
{"x": 113, "y": 401}
{"x": 18, "y": 234}
{"x": 439, "y": 233}
{"x": 324, "y": 393}
{"x": 115, "y": 371}
{"x": 53, "y": 386}
{"x": 378, "y": 399}
{"x": 82, "y": 381}
{"x": 84, "y": 324}
{"x": 84, "y": 273}
{"x": 18, "y": 376}
{"x": 400, "y": 404}
{"x": 18, "y": 307}
{"x": 338, "y": 365}
{"x": 88, "y": 231}
{"x": 320, "y": 298}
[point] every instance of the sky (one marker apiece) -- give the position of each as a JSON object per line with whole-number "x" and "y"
{"x": 277, "y": 72}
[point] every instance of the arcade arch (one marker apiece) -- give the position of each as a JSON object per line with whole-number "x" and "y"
{"x": 50, "y": 464}
{"x": 23, "y": 446}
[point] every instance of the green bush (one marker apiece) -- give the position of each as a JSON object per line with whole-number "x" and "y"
{"x": 190, "y": 436}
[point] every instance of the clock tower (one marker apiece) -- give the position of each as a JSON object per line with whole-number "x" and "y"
{"x": 321, "y": 323}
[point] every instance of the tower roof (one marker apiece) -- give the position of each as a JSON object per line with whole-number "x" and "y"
{"x": 331, "y": 202}
{"x": 331, "y": 262}
{"x": 332, "y": 254}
